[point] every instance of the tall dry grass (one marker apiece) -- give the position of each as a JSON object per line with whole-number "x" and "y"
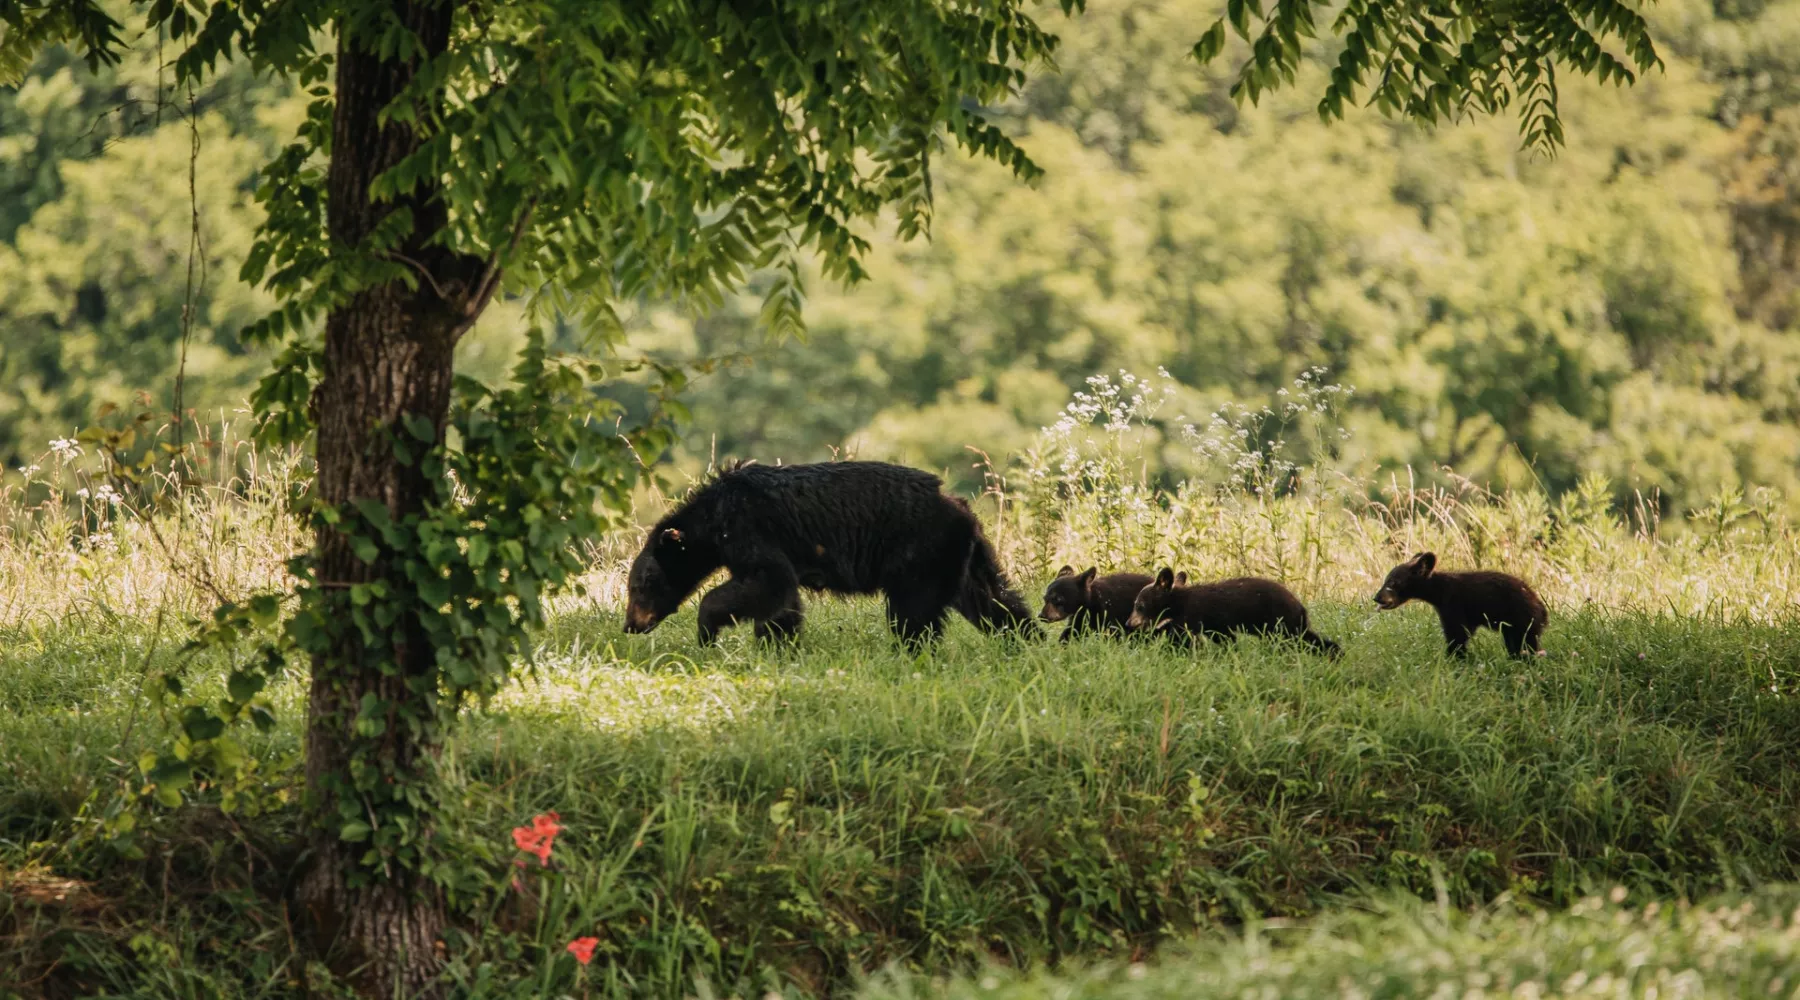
{"x": 1113, "y": 484}
{"x": 76, "y": 542}
{"x": 1263, "y": 491}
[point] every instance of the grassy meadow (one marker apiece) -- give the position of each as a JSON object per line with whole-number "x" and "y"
{"x": 747, "y": 820}
{"x": 1603, "y": 344}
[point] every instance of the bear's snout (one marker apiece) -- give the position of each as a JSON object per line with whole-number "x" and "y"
{"x": 639, "y": 620}
{"x": 1051, "y": 613}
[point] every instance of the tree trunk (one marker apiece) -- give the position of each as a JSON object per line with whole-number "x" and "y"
{"x": 388, "y": 354}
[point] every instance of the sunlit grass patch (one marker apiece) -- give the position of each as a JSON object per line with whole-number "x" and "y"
{"x": 596, "y": 690}
{"x": 1725, "y": 947}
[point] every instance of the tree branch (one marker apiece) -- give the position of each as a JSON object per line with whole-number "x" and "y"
{"x": 424, "y": 272}
{"x": 490, "y": 277}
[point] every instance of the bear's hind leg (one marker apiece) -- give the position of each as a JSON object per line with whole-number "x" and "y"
{"x": 999, "y": 611}
{"x": 785, "y": 624}
{"x": 1321, "y": 645}
{"x": 916, "y": 619}
{"x": 1520, "y": 640}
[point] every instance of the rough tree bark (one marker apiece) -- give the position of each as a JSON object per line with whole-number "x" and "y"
{"x": 387, "y": 353}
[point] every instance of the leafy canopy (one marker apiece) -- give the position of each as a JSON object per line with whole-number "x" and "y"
{"x": 604, "y": 150}
{"x": 1441, "y": 59}
{"x": 598, "y": 151}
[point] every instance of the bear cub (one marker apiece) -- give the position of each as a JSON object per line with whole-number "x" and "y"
{"x": 1091, "y": 603}
{"x": 1223, "y": 610}
{"x": 1467, "y": 601}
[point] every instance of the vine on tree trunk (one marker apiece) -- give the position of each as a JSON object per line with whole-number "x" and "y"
{"x": 530, "y": 471}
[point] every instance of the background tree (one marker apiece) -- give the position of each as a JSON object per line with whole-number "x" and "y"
{"x": 589, "y": 152}
{"x": 1524, "y": 320}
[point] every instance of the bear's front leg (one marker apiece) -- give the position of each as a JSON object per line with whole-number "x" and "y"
{"x": 722, "y": 607}
{"x": 765, "y": 593}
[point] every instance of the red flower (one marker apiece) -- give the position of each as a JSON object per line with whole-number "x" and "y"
{"x": 539, "y": 837}
{"x": 583, "y": 949}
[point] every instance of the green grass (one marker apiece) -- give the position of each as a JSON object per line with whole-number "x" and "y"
{"x": 792, "y": 819}
{"x": 1746, "y": 947}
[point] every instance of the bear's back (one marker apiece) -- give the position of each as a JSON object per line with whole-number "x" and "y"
{"x": 843, "y": 492}
{"x": 845, "y": 526}
{"x": 1242, "y": 602}
{"x": 839, "y": 476}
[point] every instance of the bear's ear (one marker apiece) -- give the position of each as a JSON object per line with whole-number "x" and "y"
{"x": 1165, "y": 578}
{"x": 1425, "y": 562}
{"x": 672, "y": 536}
{"x": 1181, "y": 578}
{"x": 1087, "y": 577}
{"x": 1067, "y": 570}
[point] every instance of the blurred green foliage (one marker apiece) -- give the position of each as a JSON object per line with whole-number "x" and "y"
{"x": 1628, "y": 308}
{"x": 96, "y": 218}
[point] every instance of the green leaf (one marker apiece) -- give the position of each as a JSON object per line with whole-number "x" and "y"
{"x": 1238, "y": 12}
{"x": 420, "y": 427}
{"x": 244, "y": 686}
{"x": 1211, "y": 43}
{"x": 375, "y": 512}
{"x": 170, "y": 772}
{"x": 265, "y": 608}
{"x": 200, "y": 724}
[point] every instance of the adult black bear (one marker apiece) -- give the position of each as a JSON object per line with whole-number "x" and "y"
{"x": 1223, "y": 610}
{"x": 842, "y": 527}
{"x": 1467, "y": 601}
{"x": 1089, "y": 602}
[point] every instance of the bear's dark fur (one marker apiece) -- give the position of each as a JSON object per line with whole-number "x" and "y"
{"x": 1223, "y": 610}
{"x": 1467, "y": 601}
{"x": 1091, "y": 603}
{"x": 840, "y": 527}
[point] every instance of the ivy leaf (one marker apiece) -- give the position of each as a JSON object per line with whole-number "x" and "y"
{"x": 200, "y": 724}
{"x": 420, "y": 427}
{"x": 243, "y": 686}
{"x": 375, "y": 512}
{"x": 171, "y": 773}
{"x": 264, "y": 608}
